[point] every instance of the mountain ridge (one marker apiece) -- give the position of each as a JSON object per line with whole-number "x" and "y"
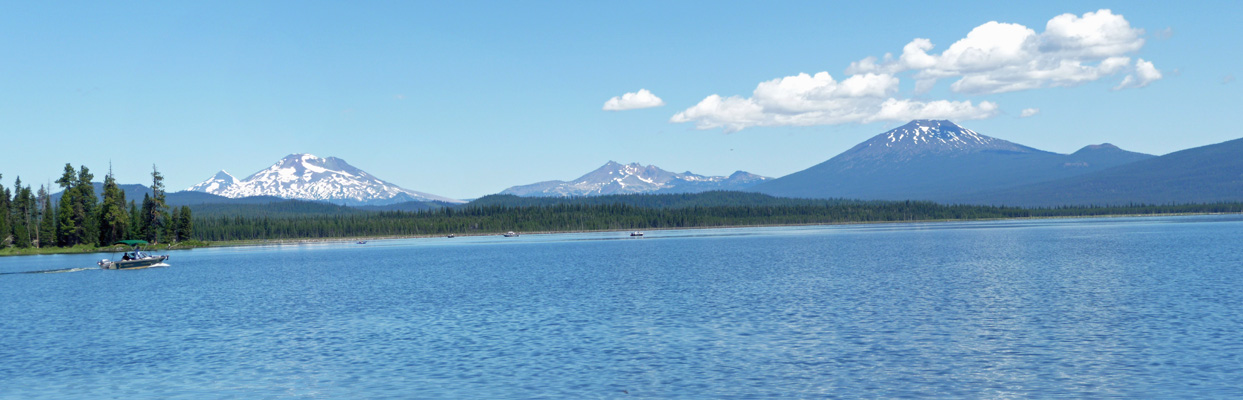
{"x": 1210, "y": 173}
{"x": 616, "y": 178}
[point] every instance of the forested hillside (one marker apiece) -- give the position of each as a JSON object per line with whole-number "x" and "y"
{"x": 573, "y": 217}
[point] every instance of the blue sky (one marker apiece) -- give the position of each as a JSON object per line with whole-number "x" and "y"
{"x": 464, "y": 99}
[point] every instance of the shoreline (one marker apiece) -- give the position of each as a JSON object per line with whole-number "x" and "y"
{"x": 272, "y": 242}
{"x": 279, "y": 242}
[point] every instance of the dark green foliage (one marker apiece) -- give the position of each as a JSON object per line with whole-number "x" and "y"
{"x": 567, "y": 217}
{"x": 47, "y": 220}
{"x": 156, "y": 227}
{"x": 135, "y": 221}
{"x": 23, "y": 214}
{"x": 114, "y": 219}
{"x": 183, "y": 223}
{"x": 144, "y": 227}
{"x": 85, "y": 210}
{"x": 5, "y": 228}
{"x": 76, "y": 219}
{"x": 65, "y": 224}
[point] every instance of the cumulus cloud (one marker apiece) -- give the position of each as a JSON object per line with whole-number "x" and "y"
{"x": 992, "y": 58}
{"x": 631, "y": 101}
{"x": 804, "y": 100}
{"x": 1027, "y": 112}
{"x": 1144, "y": 74}
{"x": 1000, "y": 57}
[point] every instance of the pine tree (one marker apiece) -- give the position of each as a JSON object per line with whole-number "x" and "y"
{"x": 157, "y": 227}
{"x": 65, "y": 227}
{"x": 175, "y": 225}
{"x": 145, "y": 228}
{"x": 47, "y": 220}
{"x": 86, "y": 215}
{"x": 5, "y": 228}
{"x": 187, "y": 224}
{"x": 135, "y": 221}
{"x": 20, "y": 209}
{"x": 113, "y": 217}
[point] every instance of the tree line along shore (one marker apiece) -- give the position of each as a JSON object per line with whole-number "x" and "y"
{"x": 81, "y": 221}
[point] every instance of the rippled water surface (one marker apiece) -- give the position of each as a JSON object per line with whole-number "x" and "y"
{"x": 1126, "y": 307}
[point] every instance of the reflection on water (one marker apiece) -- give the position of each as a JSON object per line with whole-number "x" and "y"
{"x": 1119, "y": 307}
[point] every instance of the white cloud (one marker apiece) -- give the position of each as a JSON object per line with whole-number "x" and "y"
{"x": 804, "y": 100}
{"x": 1000, "y": 57}
{"x": 905, "y": 110}
{"x": 1144, "y": 74}
{"x": 1027, "y": 112}
{"x": 631, "y": 101}
{"x": 992, "y": 58}
{"x": 1096, "y": 35}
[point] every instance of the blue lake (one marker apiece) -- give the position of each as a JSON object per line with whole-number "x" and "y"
{"x": 1111, "y": 307}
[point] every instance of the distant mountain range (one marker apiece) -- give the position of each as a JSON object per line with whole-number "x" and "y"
{"x": 307, "y": 177}
{"x": 934, "y": 160}
{"x": 940, "y": 161}
{"x": 616, "y": 178}
{"x": 1205, "y": 174}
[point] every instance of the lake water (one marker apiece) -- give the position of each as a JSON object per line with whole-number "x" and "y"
{"x": 1114, "y": 307}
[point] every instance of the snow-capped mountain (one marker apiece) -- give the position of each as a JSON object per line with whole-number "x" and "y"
{"x": 940, "y": 161}
{"x": 925, "y": 136}
{"x": 219, "y": 183}
{"x": 307, "y": 177}
{"x": 616, "y": 178}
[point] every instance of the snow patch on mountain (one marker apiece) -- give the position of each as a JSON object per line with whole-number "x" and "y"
{"x": 923, "y": 136}
{"x": 307, "y": 177}
{"x": 219, "y": 182}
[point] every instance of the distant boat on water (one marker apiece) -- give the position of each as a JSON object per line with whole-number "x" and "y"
{"x": 362, "y": 242}
{"x": 511, "y": 234}
{"x": 451, "y": 236}
{"x": 636, "y": 234}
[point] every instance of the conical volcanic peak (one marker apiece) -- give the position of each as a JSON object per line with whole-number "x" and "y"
{"x": 925, "y": 136}
{"x": 929, "y": 131}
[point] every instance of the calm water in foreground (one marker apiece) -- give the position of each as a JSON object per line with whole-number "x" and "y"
{"x": 1127, "y": 307}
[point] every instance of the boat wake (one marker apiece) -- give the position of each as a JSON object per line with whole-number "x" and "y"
{"x": 49, "y": 271}
{"x": 159, "y": 265}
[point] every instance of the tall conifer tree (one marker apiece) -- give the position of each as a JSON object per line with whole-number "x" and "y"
{"x": 47, "y": 219}
{"x": 187, "y": 224}
{"x": 135, "y": 222}
{"x": 20, "y": 208}
{"x": 158, "y": 221}
{"x": 64, "y": 208}
{"x": 5, "y": 228}
{"x": 146, "y": 228}
{"x": 87, "y": 217}
{"x": 113, "y": 217}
